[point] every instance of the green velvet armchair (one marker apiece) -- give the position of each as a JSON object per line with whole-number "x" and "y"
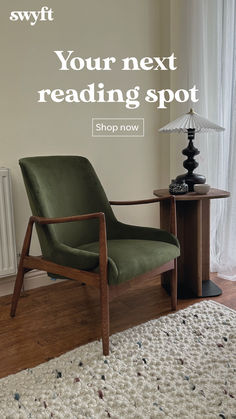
{"x": 81, "y": 239}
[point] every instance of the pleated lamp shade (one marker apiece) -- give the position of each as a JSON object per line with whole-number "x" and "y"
{"x": 191, "y": 120}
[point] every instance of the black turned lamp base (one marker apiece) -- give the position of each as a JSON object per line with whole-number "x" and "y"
{"x": 190, "y": 163}
{"x": 209, "y": 289}
{"x": 191, "y": 179}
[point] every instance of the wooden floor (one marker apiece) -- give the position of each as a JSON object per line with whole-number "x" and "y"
{"x": 53, "y": 320}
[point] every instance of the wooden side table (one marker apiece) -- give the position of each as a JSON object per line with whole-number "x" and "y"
{"x": 193, "y": 231}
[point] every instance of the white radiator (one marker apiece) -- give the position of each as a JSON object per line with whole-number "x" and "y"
{"x": 8, "y": 259}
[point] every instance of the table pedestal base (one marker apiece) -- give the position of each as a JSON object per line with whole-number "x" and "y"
{"x": 209, "y": 289}
{"x": 193, "y": 232}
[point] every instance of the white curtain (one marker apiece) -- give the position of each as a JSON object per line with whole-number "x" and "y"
{"x": 211, "y": 31}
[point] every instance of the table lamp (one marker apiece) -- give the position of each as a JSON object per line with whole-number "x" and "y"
{"x": 191, "y": 123}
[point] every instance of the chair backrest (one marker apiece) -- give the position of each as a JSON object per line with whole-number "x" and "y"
{"x": 61, "y": 186}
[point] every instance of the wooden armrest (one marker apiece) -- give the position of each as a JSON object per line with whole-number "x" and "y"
{"x": 44, "y": 220}
{"x": 143, "y": 201}
{"x": 102, "y": 233}
{"x": 171, "y": 198}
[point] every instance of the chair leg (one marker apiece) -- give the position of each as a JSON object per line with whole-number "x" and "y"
{"x": 17, "y": 290}
{"x": 104, "y": 296}
{"x": 21, "y": 269}
{"x": 174, "y": 287}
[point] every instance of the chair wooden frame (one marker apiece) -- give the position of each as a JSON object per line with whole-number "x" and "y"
{"x": 97, "y": 280}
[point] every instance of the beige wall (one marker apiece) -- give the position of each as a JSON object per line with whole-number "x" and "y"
{"x": 173, "y": 39}
{"x": 179, "y": 79}
{"x": 165, "y": 82}
{"x": 128, "y": 168}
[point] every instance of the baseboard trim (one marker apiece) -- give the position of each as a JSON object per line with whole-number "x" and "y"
{"x": 33, "y": 279}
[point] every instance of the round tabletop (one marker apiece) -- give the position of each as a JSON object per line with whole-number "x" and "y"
{"x": 193, "y": 196}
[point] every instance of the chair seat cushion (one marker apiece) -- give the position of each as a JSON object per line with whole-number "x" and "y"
{"x": 130, "y": 258}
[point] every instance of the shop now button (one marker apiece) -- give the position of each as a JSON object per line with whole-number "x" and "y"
{"x": 117, "y": 127}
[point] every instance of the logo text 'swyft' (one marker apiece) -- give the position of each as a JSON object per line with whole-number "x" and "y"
{"x": 32, "y": 16}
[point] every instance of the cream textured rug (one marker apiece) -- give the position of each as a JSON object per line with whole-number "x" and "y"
{"x": 179, "y": 366}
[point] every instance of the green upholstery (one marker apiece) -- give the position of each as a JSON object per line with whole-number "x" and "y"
{"x": 60, "y": 186}
{"x": 129, "y": 258}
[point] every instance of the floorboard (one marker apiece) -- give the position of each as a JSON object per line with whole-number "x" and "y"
{"x": 53, "y": 320}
